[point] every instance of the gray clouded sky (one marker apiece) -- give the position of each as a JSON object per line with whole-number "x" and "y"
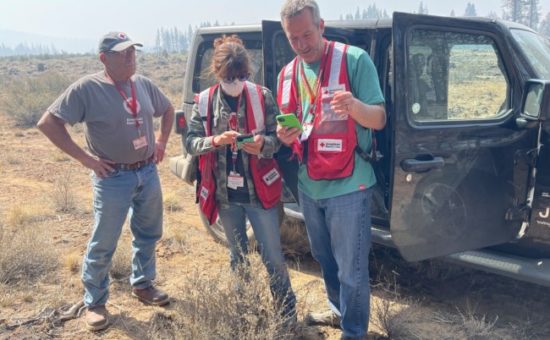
{"x": 141, "y": 18}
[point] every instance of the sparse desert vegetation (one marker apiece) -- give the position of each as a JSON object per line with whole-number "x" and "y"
{"x": 46, "y": 219}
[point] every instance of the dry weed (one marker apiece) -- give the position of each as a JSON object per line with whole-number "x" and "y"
{"x": 63, "y": 193}
{"x": 72, "y": 262}
{"x": 222, "y": 306}
{"x": 172, "y": 202}
{"x": 27, "y": 98}
{"x": 7, "y": 297}
{"x": 121, "y": 266}
{"x": 18, "y": 216}
{"x": 25, "y": 255}
{"x": 397, "y": 317}
{"x": 176, "y": 239}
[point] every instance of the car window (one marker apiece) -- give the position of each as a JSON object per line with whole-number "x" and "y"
{"x": 454, "y": 77}
{"x": 203, "y": 79}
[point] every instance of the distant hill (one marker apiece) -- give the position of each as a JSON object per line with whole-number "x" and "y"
{"x": 17, "y": 43}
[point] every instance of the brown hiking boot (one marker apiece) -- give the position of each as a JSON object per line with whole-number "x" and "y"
{"x": 97, "y": 318}
{"x": 327, "y": 318}
{"x": 151, "y": 296}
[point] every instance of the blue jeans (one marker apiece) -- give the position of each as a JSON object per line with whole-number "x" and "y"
{"x": 339, "y": 233}
{"x": 113, "y": 197}
{"x": 265, "y": 223}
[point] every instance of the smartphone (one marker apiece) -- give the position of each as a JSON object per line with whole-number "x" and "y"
{"x": 289, "y": 120}
{"x": 241, "y": 139}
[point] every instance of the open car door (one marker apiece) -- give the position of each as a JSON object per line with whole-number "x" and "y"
{"x": 277, "y": 53}
{"x": 461, "y": 161}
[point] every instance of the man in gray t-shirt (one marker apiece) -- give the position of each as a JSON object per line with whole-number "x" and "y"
{"x": 117, "y": 108}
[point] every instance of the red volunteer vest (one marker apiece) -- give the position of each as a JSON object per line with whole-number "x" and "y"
{"x": 331, "y": 144}
{"x": 265, "y": 173}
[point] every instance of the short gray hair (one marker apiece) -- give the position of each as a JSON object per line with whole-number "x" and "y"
{"x": 292, "y": 8}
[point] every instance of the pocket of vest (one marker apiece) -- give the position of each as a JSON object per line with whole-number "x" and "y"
{"x": 267, "y": 181}
{"x": 330, "y": 158}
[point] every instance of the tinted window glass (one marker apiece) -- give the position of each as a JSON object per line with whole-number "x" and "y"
{"x": 454, "y": 77}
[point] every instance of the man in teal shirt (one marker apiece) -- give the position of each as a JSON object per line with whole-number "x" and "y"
{"x": 335, "y": 199}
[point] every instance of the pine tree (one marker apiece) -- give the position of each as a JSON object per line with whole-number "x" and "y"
{"x": 513, "y": 10}
{"x": 533, "y": 15}
{"x": 544, "y": 27}
{"x": 470, "y": 10}
{"x": 422, "y": 9}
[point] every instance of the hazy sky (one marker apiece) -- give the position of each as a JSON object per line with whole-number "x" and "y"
{"x": 141, "y": 18}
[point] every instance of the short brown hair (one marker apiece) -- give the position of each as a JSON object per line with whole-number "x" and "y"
{"x": 292, "y": 8}
{"x": 230, "y": 58}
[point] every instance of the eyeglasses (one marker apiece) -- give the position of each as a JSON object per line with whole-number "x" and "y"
{"x": 229, "y": 80}
{"x": 125, "y": 52}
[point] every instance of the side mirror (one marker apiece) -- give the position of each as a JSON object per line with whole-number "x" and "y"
{"x": 536, "y": 100}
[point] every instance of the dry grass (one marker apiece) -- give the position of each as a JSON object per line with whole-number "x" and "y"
{"x": 63, "y": 193}
{"x": 72, "y": 262}
{"x": 172, "y": 202}
{"x": 18, "y": 216}
{"x": 27, "y": 98}
{"x": 26, "y": 255}
{"x": 221, "y": 305}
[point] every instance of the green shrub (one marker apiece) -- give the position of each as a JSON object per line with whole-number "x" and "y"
{"x": 26, "y": 99}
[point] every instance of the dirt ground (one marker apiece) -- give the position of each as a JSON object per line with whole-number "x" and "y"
{"x": 428, "y": 300}
{"x": 30, "y": 167}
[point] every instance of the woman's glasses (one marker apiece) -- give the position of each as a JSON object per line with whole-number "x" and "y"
{"x": 229, "y": 80}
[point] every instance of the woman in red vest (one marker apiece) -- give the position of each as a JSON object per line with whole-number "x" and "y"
{"x": 233, "y": 129}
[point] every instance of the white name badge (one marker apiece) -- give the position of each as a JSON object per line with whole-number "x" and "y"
{"x": 140, "y": 142}
{"x": 306, "y": 131}
{"x": 330, "y": 145}
{"x": 204, "y": 193}
{"x": 234, "y": 181}
{"x": 271, "y": 176}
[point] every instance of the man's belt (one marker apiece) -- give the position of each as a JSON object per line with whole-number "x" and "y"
{"x": 134, "y": 166}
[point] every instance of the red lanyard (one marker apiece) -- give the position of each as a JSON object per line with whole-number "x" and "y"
{"x": 132, "y": 104}
{"x": 233, "y": 124}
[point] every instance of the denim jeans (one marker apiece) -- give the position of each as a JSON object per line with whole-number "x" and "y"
{"x": 265, "y": 223}
{"x": 113, "y": 197}
{"x": 339, "y": 233}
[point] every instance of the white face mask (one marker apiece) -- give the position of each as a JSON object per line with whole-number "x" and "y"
{"x": 233, "y": 89}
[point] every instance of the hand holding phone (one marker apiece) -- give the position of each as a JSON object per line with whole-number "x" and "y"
{"x": 289, "y": 120}
{"x": 246, "y": 138}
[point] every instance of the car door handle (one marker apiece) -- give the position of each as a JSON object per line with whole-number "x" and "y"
{"x": 422, "y": 164}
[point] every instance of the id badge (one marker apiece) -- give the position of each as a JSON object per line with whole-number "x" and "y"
{"x": 234, "y": 181}
{"x": 327, "y": 94}
{"x": 140, "y": 142}
{"x": 307, "y": 128}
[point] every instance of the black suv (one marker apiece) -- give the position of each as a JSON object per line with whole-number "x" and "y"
{"x": 464, "y": 171}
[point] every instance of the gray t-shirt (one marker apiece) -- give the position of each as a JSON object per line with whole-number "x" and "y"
{"x": 110, "y": 124}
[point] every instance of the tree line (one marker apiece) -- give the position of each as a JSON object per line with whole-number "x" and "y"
{"x": 175, "y": 40}
{"x": 526, "y": 12}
